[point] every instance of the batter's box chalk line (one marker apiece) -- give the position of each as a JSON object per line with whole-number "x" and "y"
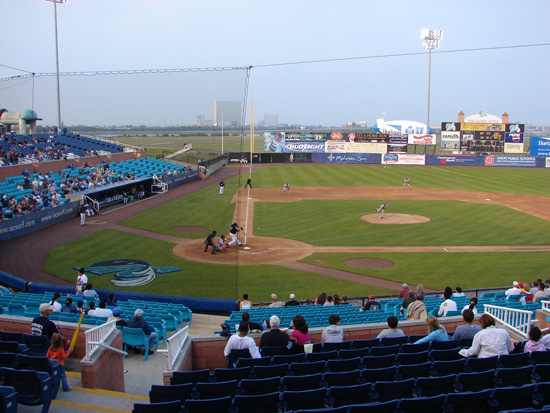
{"x": 260, "y": 252}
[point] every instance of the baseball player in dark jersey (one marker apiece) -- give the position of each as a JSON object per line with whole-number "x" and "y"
{"x": 233, "y": 229}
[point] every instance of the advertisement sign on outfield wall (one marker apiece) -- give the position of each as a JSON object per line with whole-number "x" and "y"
{"x": 513, "y": 143}
{"x": 363, "y": 147}
{"x": 422, "y": 139}
{"x": 274, "y": 141}
{"x": 510, "y": 161}
{"x": 304, "y": 146}
{"x": 547, "y": 165}
{"x": 453, "y": 160}
{"x": 403, "y": 159}
{"x": 347, "y": 158}
{"x": 450, "y": 141}
{"x": 334, "y": 146}
{"x": 540, "y": 146}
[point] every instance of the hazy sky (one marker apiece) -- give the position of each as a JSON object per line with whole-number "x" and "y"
{"x": 99, "y": 35}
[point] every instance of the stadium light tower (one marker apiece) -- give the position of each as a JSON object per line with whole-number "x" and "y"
{"x": 57, "y": 62}
{"x": 431, "y": 39}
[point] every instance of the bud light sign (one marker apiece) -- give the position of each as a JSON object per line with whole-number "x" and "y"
{"x": 305, "y": 147}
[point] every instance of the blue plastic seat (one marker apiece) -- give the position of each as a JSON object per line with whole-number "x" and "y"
{"x": 33, "y": 388}
{"x": 256, "y": 403}
{"x": 42, "y": 363}
{"x": 304, "y": 399}
{"x": 168, "y": 407}
{"x": 135, "y": 337}
{"x": 37, "y": 345}
{"x": 210, "y": 405}
{"x": 8, "y": 399}
{"x": 216, "y": 390}
{"x": 183, "y": 377}
{"x": 348, "y": 395}
{"x": 251, "y": 387}
{"x": 175, "y": 392}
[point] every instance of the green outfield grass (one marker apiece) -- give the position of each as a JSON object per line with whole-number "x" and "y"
{"x": 334, "y": 222}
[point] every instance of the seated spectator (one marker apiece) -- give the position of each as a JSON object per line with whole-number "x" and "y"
{"x": 300, "y": 333}
{"x": 90, "y": 292}
{"x": 55, "y": 303}
{"x": 80, "y": 307}
{"x": 404, "y": 293}
{"x": 333, "y": 333}
{"x": 245, "y": 304}
{"x": 251, "y": 325}
{"x": 117, "y": 311}
{"x": 329, "y": 301}
{"x": 274, "y": 337}
{"x": 371, "y": 304}
{"x": 103, "y": 311}
{"x": 534, "y": 343}
{"x": 407, "y": 301}
{"x": 490, "y": 341}
{"x": 275, "y": 303}
{"x": 458, "y": 293}
{"x": 344, "y": 300}
{"x": 91, "y": 309}
{"x": 292, "y": 302}
{"x": 417, "y": 309}
{"x": 514, "y": 290}
{"x": 112, "y": 300}
{"x": 535, "y": 288}
{"x": 448, "y": 304}
{"x": 139, "y": 322}
{"x": 41, "y": 325}
{"x": 541, "y": 294}
{"x": 468, "y": 329}
{"x": 69, "y": 307}
{"x": 472, "y": 306}
{"x": 392, "y": 331}
{"x": 241, "y": 341}
{"x": 336, "y": 299}
{"x": 321, "y": 299}
{"x": 436, "y": 332}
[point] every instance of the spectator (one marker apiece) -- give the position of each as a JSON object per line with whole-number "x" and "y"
{"x": 103, "y": 311}
{"x": 81, "y": 281}
{"x": 344, "y": 300}
{"x": 541, "y": 294}
{"x": 55, "y": 303}
{"x": 139, "y": 322}
{"x": 274, "y": 337}
{"x": 514, "y": 290}
{"x": 448, "y": 304}
{"x": 472, "y": 306}
{"x": 117, "y": 311}
{"x": 417, "y": 309}
{"x": 392, "y": 331}
{"x": 245, "y": 304}
{"x": 329, "y": 301}
{"x": 80, "y": 307}
{"x": 458, "y": 293}
{"x": 468, "y": 329}
{"x": 57, "y": 352}
{"x": 336, "y": 299}
{"x": 112, "y": 302}
{"x": 69, "y": 307}
{"x": 407, "y": 301}
{"x": 534, "y": 343}
{"x": 242, "y": 341}
{"x": 292, "y": 302}
{"x": 41, "y": 325}
{"x": 535, "y": 288}
{"x": 333, "y": 333}
{"x": 404, "y": 293}
{"x": 90, "y": 293}
{"x": 274, "y": 302}
{"x": 371, "y": 304}
{"x": 321, "y": 299}
{"x": 251, "y": 325}
{"x": 300, "y": 333}
{"x": 490, "y": 341}
{"x": 436, "y": 332}
{"x": 91, "y": 308}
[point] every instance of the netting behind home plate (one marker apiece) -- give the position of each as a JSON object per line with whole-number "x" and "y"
{"x": 168, "y": 97}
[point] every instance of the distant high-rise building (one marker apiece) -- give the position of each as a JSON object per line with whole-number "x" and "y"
{"x": 271, "y": 120}
{"x": 200, "y": 120}
{"x": 230, "y": 112}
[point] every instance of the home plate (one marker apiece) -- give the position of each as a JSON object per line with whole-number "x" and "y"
{"x": 246, "y": 248}
{"x": 487, "y": 199}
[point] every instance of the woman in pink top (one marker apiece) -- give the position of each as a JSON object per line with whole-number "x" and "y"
{"x": 534, "y": 344}
{"x": 300, "y": 333}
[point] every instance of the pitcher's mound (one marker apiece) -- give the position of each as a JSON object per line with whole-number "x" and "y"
{"x": 395, "y": 219}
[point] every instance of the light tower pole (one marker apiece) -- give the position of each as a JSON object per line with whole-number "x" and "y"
{"x": 57, "y": 62}
{"x": 432, "y": 39}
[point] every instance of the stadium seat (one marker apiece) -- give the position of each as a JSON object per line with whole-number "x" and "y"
{"x": 383, "y": 374}
{"x": 343, "y": 378}
{"x": 262, "y": 361}
{"x": 135, "y": 337}
{"x": 9, "y": 360}
{"x": 304, "y": 399}
{"x": 484, "y": 364}
{"x": 415, "y": 348}
{"x": 216, "y": 390}
{"x": 352, "y": 353}
{"x": 274, "y": 350}
{"x": 264, "y": 372}
{"x": 443, "y": 368}
{"x": 42, "y": 363}
{"x": 374, "y": 342}
{"x": 183, "y": 377}
{"x": 208, "y": 405}
{"x": 345, "y": 365}
{"x": 468, "y": 402}
{"x": 175, "y": 392}
{"x": 378, "y": 362}
{"x": 37, "y": 345}
{"x": 384, "y": 391}
{"x": 8, "y": 399}
{"x": 443, "y": 345}
{"x": 433, "y": 386}
{"x": 445, "y": 355}
{"x": 514, "y": 376}
{"x": 411, "y": 371}
{"x": 251, "y": 387}
{"x": 384, "y": 351}
{"x": 168, "y": 407}
{"x": 304, "y": 382}
{"x": 33, "y": 388}
{"x": 392, "y": 341}
{"x": 539, "y": 357}
{"x": 387, "y": 407}
{"x": 543, "y": 371}
{"x": 11, "y": 336}
{"x": 322, "y": 356}
{"x": 344, "y": 345}
{"x": 232, "y": 374}
{"x": 303, "y": 369}
{"x": 292, "y": 358}
{"x": 235, "y": 355}
{"x": 513, "y": 360}
{"x": 508, "y": 398}
{"x": 411, "y": 358}
{"x": 348, "y": 395}
{"x": 256, "y": 403}
{"x": 476, "y": 381}
{"x": 422, "y": 404}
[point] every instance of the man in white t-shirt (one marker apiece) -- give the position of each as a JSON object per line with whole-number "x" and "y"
{"x": 514, "y": 290}
{"x": 241, "y": 341}
{"x": 81, "y": 281}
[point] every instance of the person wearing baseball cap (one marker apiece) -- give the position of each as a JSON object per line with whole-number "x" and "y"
{"x": 274, "y": 337}
{"x": 514, "y": 290}
{"x": 292, "y": 302}
{"x": 275, "y": 303}
{"x": 41, "y": 325}
{"x": 117, "y": 311}
{"x": 404, "y": 293}
{"x": 139, "y": 322}
{"x": 372, "y": 304}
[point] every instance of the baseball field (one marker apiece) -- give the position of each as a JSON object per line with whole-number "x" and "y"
{"x": 457, "y": 226}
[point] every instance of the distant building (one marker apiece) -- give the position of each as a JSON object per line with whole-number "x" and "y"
{"x": 271, "y": 120}
{"x": 229, "y": 112}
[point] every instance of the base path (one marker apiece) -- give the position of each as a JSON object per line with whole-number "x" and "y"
{"x": 267, "y": 250}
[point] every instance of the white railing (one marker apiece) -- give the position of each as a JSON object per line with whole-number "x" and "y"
{"x": 513, "y": 319}
{"x": 175, "y": 346}
{"x": 546, "y": 307}
{"x": 95, "y": 338}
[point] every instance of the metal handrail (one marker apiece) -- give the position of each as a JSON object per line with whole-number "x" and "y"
{"x": 175, "y": 346}
{"x": 519, "y": 321}
{"x": 96, "y": 337}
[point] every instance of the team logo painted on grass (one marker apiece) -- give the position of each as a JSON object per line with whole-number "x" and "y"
{"x": 129, "y": 273}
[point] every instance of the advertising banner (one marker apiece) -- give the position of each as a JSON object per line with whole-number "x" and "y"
{"x": 304, "y": 147}
{"x": 540, "y": 146}
{"x": 510, "y": 161}
{"x": 347, "y": 158}
{"x": 422, "y": 139}
{"x": 547, "y": 163}
{"x": 397, "y": 144}
{"x": 495, "y": 127}
{"x": 274, "y": 141}
{"x": 450, "y": 141}
{"x": 404, "y": 159}
{"x": 513, "y": 142}
{"x": 304, "y": 137}
{"x": 515, "y": 127}
{"x": 361, "y": 147}
{"x": 450, "y": 127}
{"x": 454, "y": 160}
{"x": 367, "y": 137}
{"x": 335, "y": 146}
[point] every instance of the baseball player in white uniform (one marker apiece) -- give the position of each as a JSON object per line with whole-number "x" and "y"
{"x": 233, "y": 229}
{"x": 382, "y": 208}
{"x": 222, "y": 186}
{"x": 406, "y": 182}
{"x": 286, "y": 187}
